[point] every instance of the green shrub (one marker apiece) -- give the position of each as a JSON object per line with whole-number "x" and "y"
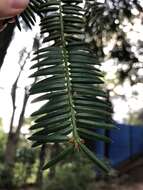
{"x": 71, "y": 176}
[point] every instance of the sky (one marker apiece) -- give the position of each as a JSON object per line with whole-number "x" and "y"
{"x": 10, "y": 70}
{"x": 9, "y": 73}
{"x": 133, "y": 103}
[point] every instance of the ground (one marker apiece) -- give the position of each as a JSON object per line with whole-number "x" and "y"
{"x": 131, "y": 177}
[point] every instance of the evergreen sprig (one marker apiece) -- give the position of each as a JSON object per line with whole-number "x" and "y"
{"x": 69, "y": 83}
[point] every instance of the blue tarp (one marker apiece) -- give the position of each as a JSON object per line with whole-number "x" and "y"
{"x": 127, "y": 142}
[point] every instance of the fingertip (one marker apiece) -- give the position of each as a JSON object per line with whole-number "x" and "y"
{"x": 11, "y": 8}
{"x": 19, "y": 4}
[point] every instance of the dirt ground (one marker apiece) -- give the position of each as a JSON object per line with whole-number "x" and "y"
{"x": 130, "y": 180}
{"x": 138, "y": 186}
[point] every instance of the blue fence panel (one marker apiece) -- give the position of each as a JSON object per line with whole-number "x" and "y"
{"x": 127, "y": 141}
{"x": 137, "y": 140}
{"x": 119, "y": 150}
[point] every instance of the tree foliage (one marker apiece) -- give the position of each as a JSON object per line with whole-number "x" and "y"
{"x": 105, "y": 21}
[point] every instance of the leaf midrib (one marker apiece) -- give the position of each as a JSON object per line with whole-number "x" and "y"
{"x": 67, "y": 79}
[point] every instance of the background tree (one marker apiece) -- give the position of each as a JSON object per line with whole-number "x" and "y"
{"x": 14, "y": 133}
{"x": 105, "y": 24}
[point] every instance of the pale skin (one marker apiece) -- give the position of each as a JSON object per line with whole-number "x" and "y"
{"x": 11, "y": 8}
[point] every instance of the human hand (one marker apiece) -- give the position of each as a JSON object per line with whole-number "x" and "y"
{"x": 9, "y": 9}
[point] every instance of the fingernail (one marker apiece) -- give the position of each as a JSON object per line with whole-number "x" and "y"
{"x": 12, "y": 20}
{"x": 19, "y": 4}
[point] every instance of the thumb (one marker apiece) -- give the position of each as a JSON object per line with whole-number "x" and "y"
{"x": 11, "y": 8}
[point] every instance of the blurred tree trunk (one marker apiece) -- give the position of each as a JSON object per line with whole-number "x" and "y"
{"x": 42, "y": 155}
{"x": 54, "y": 152}
{"x": 10, "y": 150}
{"x": 54, "y": 149}
{"x": 13, "y": 137}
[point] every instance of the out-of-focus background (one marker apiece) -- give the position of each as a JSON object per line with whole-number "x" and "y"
{"x": 114, "y": 30}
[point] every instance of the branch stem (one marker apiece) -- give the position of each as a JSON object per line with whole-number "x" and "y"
{"x": 68, "y": 83}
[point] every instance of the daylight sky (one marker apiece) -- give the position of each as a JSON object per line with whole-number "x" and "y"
{"x": 9, "y": 73}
